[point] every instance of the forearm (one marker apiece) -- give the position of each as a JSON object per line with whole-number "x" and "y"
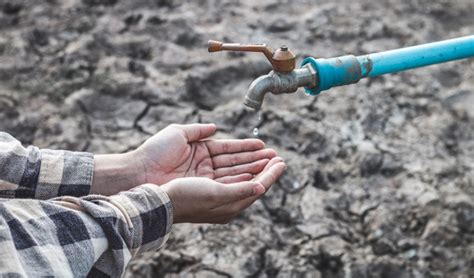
{"x": 42, "y": 174}
{"x": 114, "y": 173}
{"x": 71, "y": 236}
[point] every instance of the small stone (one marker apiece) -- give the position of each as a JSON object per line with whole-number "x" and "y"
{"x": 428, "y": 197}
{"x": 133, "y": 19}
{"x": 465, "y": 217}
{"x": 139, "y": 50}
{"x": 188, "y": 39}
{"x": 320, "y": 180}
{"x": 461, "y": 102}
{"x": 155, "y": 20}
{"x": 280, "y": 25}
{"x": 370, "y": 164}
{"x": 390, "y": 167}
{"x": 383, "y": 246}
{"x": 410, "y": 254}
{"x": 39, "y": 37}
{"x": 406, "y": 244}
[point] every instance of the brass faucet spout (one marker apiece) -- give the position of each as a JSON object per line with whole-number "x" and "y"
{"x": 279, "y": 83}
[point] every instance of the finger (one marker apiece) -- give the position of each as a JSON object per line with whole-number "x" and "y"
{"x": 224, "y": 146}
{"x": 240, "y": 191}
{"x": 268, "y": 178}
{"x": 226, "y": 160}
{"x": 195, "y": 132}
{"x": 234, "y": 179}
{"x": 271, "y": 175}
{"x": 251, "y": 168}
{"x": 272, "y": 162}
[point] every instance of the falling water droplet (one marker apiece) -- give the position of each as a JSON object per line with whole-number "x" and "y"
{"x": 255, "y": 132}
{"x": 296, "y": 185}
{"x": 260, "y": 115}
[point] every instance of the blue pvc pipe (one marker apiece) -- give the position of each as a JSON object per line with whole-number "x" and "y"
{"x": 350, "y": 69}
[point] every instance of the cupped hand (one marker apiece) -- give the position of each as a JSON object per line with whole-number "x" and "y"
{"x": 185, "y": 151}
{"x": 202, "y": 200}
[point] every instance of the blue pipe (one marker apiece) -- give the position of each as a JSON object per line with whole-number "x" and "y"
{"x": 350, "y": 69}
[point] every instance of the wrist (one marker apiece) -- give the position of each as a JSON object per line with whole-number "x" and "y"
{"x": 134, "y": 162}
{"x": 168, "y": 189}
{"x": 116, "y": 172}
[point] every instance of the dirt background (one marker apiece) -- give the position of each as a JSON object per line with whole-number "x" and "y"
{"x": 381, "y": 174}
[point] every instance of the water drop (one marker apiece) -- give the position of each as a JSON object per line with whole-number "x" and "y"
{"x": 255, "y": 132}
{"x": 410, "y": 254}
{"x": 296, "y": 185}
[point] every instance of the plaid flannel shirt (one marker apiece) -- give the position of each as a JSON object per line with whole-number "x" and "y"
{"x": 48, "y": 226}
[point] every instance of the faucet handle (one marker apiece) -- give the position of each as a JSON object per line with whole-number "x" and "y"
{"x": 282, "y": 60}
{"x": 214, "y": 46}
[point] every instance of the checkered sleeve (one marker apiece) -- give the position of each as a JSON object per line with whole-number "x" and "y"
{"x": 92, "y": 236}
{"x": 42, "y": 174}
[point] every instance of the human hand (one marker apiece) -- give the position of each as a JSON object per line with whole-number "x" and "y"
{"x": 183, "y": 151}
{"x": 202, "y": 200}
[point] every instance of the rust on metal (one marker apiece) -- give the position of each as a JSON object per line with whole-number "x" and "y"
{"x": 368, "y": 66}
{"x": 283, "y": 60}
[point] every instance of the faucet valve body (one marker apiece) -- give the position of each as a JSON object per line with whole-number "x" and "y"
{"x": 279, "y": 83}
{"x": 284, "y": 78}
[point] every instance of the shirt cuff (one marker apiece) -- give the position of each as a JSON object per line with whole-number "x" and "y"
{"x": 150, "y": 216}
{"x": 64, "y": 173}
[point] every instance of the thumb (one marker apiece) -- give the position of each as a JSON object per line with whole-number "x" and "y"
{"x": 239, "y": 191}
{"x": 196, "y": 132}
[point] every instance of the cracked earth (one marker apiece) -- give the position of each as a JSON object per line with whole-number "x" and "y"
{"x": 381, "y": 174}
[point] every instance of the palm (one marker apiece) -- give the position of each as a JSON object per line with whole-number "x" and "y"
{"x": 178, "y": 151}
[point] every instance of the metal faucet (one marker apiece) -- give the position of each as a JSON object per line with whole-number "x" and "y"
{"x": 283, "y": 79}
{"x": 318, "y": 75}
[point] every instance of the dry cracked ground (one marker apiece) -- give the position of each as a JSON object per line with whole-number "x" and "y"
{"x": 381, "y": 174}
